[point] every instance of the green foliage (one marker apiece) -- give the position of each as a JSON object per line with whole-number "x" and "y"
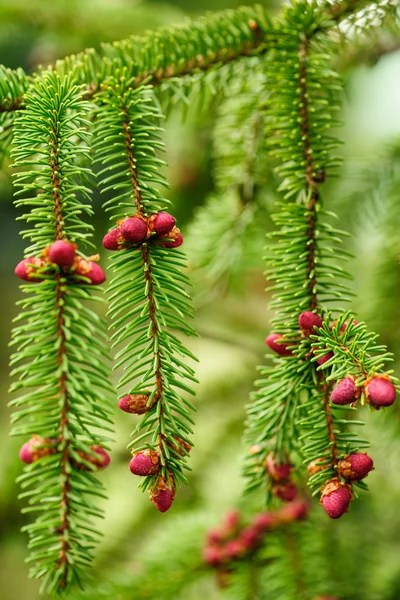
{"x": 149, "y": 304}
{"x": 61, "y": 355}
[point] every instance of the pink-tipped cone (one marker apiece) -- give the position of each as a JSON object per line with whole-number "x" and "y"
{"x": 96, "y": 274}
{"x": 145, "y": 463}
{"x": 62, "y": 253}
{"x": 134, "y": 230}
{"x": 163, "y": 223}
{"x": 113, "y": 239}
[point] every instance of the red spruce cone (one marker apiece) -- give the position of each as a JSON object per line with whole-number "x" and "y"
{"x": 264, "y": 521}
{"x": 336, "y": 498}
{"x": 323, "y": 359}
{"x": 294, "y": 511}
{"x": 285, "y": 491}
{"x": 113, "y": 239}
{"x": 276, "y": 342}
{"x": 308, "y": 320}
{"x": 213, "y": 556}
{"x": 345, "y": 392}
{"x": 380, "y": 391}
{"x": 355, "y": 466}
{"x": 175, "y": 237}
{"x": 145, "y": 462}
{"x": 249, "y": 537}
{"x": 162, "y": 495}
{"x": 234, "y": 549}
{"x": 36, "y": 448}
{"x": 62, "y": 253}
{"x": 134, "y": 230}
{"x": 161, "y": 223}
{"x": 26, "y": 269}
{"x": 100, "y": 460}
{"x": 279, "y": 472}
{"x": 135, "y": 403}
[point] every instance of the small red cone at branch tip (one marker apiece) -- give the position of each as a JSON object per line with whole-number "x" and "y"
{"x": 277, "y": 471}
{"x": 231, "y": 522}
{"x": 135, "y": 403}
{"x": 62, "y": 253}
{"x": 215, "y": 536}
{"x": 96, "y": 274}
{"x": 36, "y": 448}
{"x": 212, "y": 555}
{"x": 104, "y": 458}
{"x": 277, "y": 344}
{"x": 265, "y": 521}
{"x": 355, "y": 466}
{"x": 294, "y": 511}
{"x": 380, "y": 391}
{"x": 323, "y": 359}
{"x": 308, "y": 321}
{"x": 144, "y": 463}
{"x": 162, "y": 495}
{"x": 234, "y": 549}
{"x": 176, "y": 239}
{"x": 249, "y": 537}
{"x": 285, "y": 491}
{"x": 26, "y": 268}
{"x": 345, "y": 392}
{"x": 163, "y": 223}
{"x": 113, "y": 239}
{"x": 134, "y": 230}
{"x": 336, "y": 498}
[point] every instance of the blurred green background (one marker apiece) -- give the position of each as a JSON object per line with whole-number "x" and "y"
{"x": 233, "y": 326}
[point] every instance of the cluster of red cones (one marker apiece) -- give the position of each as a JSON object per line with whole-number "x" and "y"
{"x": 159, "y": 228}
{"x": 38, "y": 447}
{"x": 62, "y": 255}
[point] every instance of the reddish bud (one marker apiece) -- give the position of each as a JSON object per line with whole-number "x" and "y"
{"x": 308, "y": 321}
{"x": 144, "y": 463}
{"x": 134, "y": 230}
{"x": 96, "y": 274}
{"x": 26, "y": 269}
{"x": 103, "y": 459}
{"x": 175, "y": 237}
{"x": 323, "y": 359}
{"x": 264, "y": 521}
{"x": 294, "y": 511}
{"x": 276, "y": 342}
{"x": 162, "y": 223}
{"x": 249, "y": 537}
{"x": 345, "y": 392}
{"x": 315, "y": 466}
{"x": 285, "y": 491}
{"x": 62, "y": 253}
{"x": 135, "y": 403}
{"x": 113, "y": 239}
{"x": 36, "y": 448}
{"x": 277, "y": 471}
{"x": 212, "y": 556}
{"x": 215, "y": 536}
{"x": 380, "y": 391}
{"x": 336, "y": 498}
{"x": 162, "y": 495}
{"x": 234, "y": 549}
{"x": 355, "y": 466}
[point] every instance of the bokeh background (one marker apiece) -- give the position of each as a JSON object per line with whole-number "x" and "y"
{"x": 232, "y": 324}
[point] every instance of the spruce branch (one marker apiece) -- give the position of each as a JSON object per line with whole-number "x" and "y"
{"x": 61, "y": 344}
{"x": 148, "y": 298}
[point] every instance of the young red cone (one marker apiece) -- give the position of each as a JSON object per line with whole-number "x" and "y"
{"x": 294, "y": 511}
{"x": 355, "y": 466}
{"x": 26, "y": 269}
{"x": 134, "y": 230}
{"x": 162, "y": 495}
{"x": 264, "y": 521}
{"x": 36, "y": 448}
{"x": 336, "y": 498}
{"x": 308, "y": 321}
{"x": 213, "y": 555}
{"x": 96, "y": 274}
{"x": 324, "y": 358}
{"x": 113, "y": 239}
{"x": 345, "y": 392}
{"x": 285, "y": 491}
{"x": 145, "y": 462}
{"x": 175, "y": 237}
{"x": 162, "y": 223}
{"x": 135, "y": 403}
{"x": 62, "y": 253}
{"x": 380, "y": 391}
{"x": 277, "y": 471}
{"x": 234, "y": 549}
{"x": 103, "y": 459}
{"x": 276, "y": 342}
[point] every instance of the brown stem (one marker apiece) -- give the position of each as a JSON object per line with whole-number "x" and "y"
{"x": 326, "y": 389}
{"x": 56, "y": 193}
{"x": 132, "y": 161}
{"x": 65, "y": 475}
